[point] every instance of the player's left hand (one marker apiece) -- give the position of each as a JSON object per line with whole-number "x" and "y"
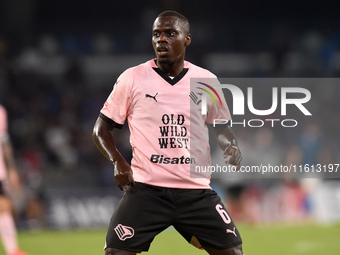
{"x": 234, "y": 154}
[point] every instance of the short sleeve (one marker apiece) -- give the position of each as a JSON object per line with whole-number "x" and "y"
{"x": 118, "y": 104}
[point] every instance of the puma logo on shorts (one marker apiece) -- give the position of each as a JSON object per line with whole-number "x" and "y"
{"x": 232, "y": 231}
{"x": 124, "y": 232}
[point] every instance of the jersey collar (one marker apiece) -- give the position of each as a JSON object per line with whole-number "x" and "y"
{"x": 166, "y": 77}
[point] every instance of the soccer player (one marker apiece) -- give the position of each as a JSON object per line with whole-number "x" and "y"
{"x": 159, "y": 190}
{"x": 10, "y": 179}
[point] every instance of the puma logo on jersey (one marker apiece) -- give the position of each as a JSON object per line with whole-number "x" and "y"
{"x": 232, "y": 231}
{"x": 154, "y": 97}
{"x": 124, "y": 232}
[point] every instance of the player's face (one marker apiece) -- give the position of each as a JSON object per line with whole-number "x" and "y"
{"x": 169, "y": 39}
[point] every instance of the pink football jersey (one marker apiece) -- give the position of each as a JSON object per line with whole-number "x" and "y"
{"x": 168, "y": 132}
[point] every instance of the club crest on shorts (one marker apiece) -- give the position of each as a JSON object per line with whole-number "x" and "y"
{"x": 124, "y": 232}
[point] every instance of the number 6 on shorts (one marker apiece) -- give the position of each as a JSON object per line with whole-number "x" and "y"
{"x": 223, "y": 213}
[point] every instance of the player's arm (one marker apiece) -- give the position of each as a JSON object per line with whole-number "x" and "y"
{"x": 228, "y": 143}
{"x": 103, "y": 137}
{"x": 13, "y": 175}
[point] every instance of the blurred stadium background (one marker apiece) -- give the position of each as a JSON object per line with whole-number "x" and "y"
{"x": 59, "y": 60}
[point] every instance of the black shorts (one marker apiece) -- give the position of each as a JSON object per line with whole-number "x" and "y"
{"x": 197, "y": 214}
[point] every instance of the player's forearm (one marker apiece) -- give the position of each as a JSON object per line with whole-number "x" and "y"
{"x": 104, "y": 140}
{"x": 225, "y": 136}
{"x": 8, "y": 155}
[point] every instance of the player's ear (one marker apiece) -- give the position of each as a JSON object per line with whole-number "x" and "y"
{"x": 187, "y": 40}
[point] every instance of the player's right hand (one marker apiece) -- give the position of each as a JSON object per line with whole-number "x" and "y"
{"x": 123, "y": 174}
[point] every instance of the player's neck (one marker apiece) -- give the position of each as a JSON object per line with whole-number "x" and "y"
{"x": 171, "y": 69}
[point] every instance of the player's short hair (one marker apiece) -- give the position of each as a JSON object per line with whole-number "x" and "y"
{"x": 181, "y": 17}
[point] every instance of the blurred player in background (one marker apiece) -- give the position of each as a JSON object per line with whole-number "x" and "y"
{"x": 9, "y": 179}
{"x": 159, "y": 191}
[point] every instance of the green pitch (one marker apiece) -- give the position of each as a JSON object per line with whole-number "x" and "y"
{"x": 258, "y": 240}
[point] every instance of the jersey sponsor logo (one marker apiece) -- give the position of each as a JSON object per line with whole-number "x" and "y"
{"x": 124, "y": 232}
{"x": 173, "y": 132}
{"x": 153, "y": 97}
{"x": 173, "y": 142}
{"x": 160, "y": 159}
{"x": 231, "y": 231}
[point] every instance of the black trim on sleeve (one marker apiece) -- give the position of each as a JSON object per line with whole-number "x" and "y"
{"x": 110, "y": 121}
